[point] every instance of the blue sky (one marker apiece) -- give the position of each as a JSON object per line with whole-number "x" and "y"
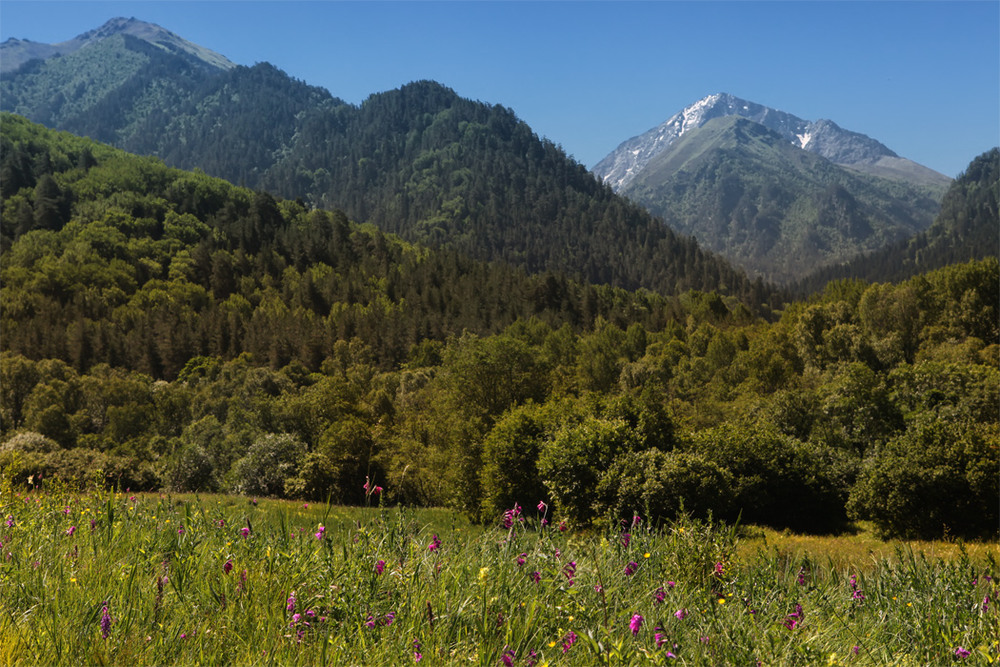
{"x": 922, "y": 77}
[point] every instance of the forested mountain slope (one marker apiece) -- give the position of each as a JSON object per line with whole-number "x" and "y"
{"x": 968, "y": 227}
{"x": 420, "y": 161}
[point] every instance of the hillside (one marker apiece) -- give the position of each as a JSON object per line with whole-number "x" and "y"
{"x": 967, "y": 228}
{"x": 770, "y": 207}
{"x": 421, "y": 162}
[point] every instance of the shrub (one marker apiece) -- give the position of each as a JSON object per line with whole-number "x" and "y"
{"x": 272, "y": 459}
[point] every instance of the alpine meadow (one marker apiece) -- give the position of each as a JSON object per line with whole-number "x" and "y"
{"x": 289, "y": 380}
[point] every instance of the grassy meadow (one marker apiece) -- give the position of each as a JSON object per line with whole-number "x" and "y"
{"x": 116, "y": 578}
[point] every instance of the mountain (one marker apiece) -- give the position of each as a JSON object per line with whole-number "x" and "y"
{"x": 420, "y": 161}
{"x": 822, "y": 137}
{"x": 967, "y": 228}
{"x": 14, "y": 53}
{"x": 776, "y": 210}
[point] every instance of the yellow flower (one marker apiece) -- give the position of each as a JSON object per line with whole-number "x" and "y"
{"x": 72, "y": 580}
{"x": 722, "y": 600}
{"x": 646, "y": 555}
{"x": 484, "y": 573}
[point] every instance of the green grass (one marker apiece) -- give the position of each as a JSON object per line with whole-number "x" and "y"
{"x": 170, "y": 599}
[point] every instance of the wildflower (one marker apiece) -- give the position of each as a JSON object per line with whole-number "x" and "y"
{"x": 379, "y": 566}
{"x": 507, "y": 658}
{"x": 105, "y": 622}
{"x": 635, "y": 624}
{"x": 227, "y": 567}
{"x": 962, "y": 653}
{"x": 321, "y": 532}
{"x": 626, "y": 539}
{"x": 520, "y": 560}
{"x": 417, "y": 657}
{"x": 66, "y": 511}
{"x": 636, "y": 520}
{"x": 305, "y": 506}
{"x": 532, "y": 658}
{"x": 681, "y": 614}
{"x": 671, "y": 584}
{"x": 660, "y": 595}
{"x": 568, "y": 641}
{"x": 536, "y": 576}
{"x": 10, "y": 521}
{"x": 986, "y": 603}
{"x": 180, "y": 531}
{"x": 598, "y": 588}
{"x": 93, "y": 524}
{"x": 542, "y": 506}
{"x": 658, "y": 637}
{"x": 295, "y": 620}
{"x": 718, "y": 570}
{"x": 545, "y": 522}
{"x": 71, "y": 530}
{"x": 245, "y": 532}
{"x": 371, "y": 621}
{"x": 562, "y": 528}
{"x": 290, "y": 606}
{"x": 631, "y": 568}
{"x": 801, "y": 580}
{"x": 570, "y": 571}
{"x": 855, "y": 649}
{"x": 389, "y": 618}
{"x": 435, "y": 544}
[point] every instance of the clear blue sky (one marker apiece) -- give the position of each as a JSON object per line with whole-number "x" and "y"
{"x": 922, "y": 77}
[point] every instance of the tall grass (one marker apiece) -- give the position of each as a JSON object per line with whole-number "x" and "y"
{"x": 111, "y": 578}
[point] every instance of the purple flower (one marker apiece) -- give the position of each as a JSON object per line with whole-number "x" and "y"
{"x": 962, "y": 653}
{"x": 626, "y": 538}
{"x": 521, "y": 559}
{"x": 227, "y": 566}
{"x": 802, "y": 576}
{"x": 532, "y": 658}
{"x": 507, "y": 658}
{"x": 321, "y": 532}
{"x": 719, "y": 570}
{"x": 660, "y": 595}
{"x": 568, "y": 641}
{"x": 562, "y": 529}
{"x": 417, "y": 657}
{"x": 245, "y": 532}
{"x": 71, "y": 530}
{"x": 542, "y": 506}
{"x": 631, "y": 568}
{"x": 670, "y": 584}
{"x": 105, "y": 622}
{"x": 371, "y": 621}
{"x": 681, "y": 614}
{"x": 389, "y": 618}
{"x": 435, "y": 544}
{"x": 636, "y": 520}
{"x": 379, "y": 566}
{"x": 598, "y": 588}
{"x": 10, "y": 521}
{"x": 569, "y": 570}
{"x": 536, "y": 576}
{"x": 658, "y": 637}
{"x": 855, "y": 649}
{"x": 635, "y": 624}
{"x": 290, "y": 605}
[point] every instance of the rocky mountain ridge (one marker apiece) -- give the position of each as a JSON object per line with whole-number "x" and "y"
{"x": 14, "y": 53}
{"x": 822, "y": 137}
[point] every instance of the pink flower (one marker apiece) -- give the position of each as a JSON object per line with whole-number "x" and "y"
{"x": 536, "y": 576}
{"x": 562, "y": 526}
{"x": 660, "y": 595}
{"x": 681, "y": 614}
{"x": 542, "y": 506}
{"x": 568, "y": 641}
{"x": 379, "y": 566}
{"x": 718, "y": 569}
{"x": 521, "y": 559}
{"x": 290, "y": 605}
{"x": 635, "y": 624}
{"x": 636, "y": 520}
{"x": 71, "y": 530}
{"x": 245, "y": 532}
{"x": 319, "y": 534}
{"x": 435, "y": 543}
{"x": 962, "y": 653}
{"x": 631, "y": 568}
{"x": 227, "y": 567}
{"x": 105, "y": 622}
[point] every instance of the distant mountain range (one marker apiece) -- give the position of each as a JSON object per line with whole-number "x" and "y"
{"x": 775, "y": 194}
{"x": 420, "y": 161}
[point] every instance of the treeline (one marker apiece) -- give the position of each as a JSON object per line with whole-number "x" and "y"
{"x": 178, "y": 332}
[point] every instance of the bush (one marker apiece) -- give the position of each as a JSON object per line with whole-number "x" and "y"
{"x": 664, "y": 485}
{"x": 937, "y": 479}
{"x": 272, "y": 459}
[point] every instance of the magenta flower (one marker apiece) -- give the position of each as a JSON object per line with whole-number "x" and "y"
{"x": 671, "y": 584}
{"x": 568, "y": 641}
{"x": 379, "y": 566}
{"x": 521, "y": 559}
{"x": 71, "y": 530}
{"x": 962, "y": 653}
{"x": 227, "y": 567}
{"x": 562, "y": 526}
{"x": 636, "y": 520}
{"x": 631, "y": 568}
{"x": 245, "y": 532}
{"x": 435, "y": 544}
{"x": 290, "y": 605}
{"x": 180, "y": 531}
{"x": 855, "y": 649}
{"x": 718, "y": 570}
{"x": 10, "y": 520}
{"x": 536, "y": 576}
{"x": 389, "y": 618}
{"x": 319, "y": 534}
{"x": 635, "y": 624}
{"x": 570, "y": 571}
{"x": 658, "y": 637}
{"x": 508, "y": 656}
{"x": 542, "y": 506}
{"x": 681, "y": 614}
{"x": 802, "y": 577}
{"x": 417, "y": 657}
{"x": 660, "y": 595}
{"x": 371, "y": 621}
{"x": 626, "y": 538}
{"x": 105, "y": 622}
